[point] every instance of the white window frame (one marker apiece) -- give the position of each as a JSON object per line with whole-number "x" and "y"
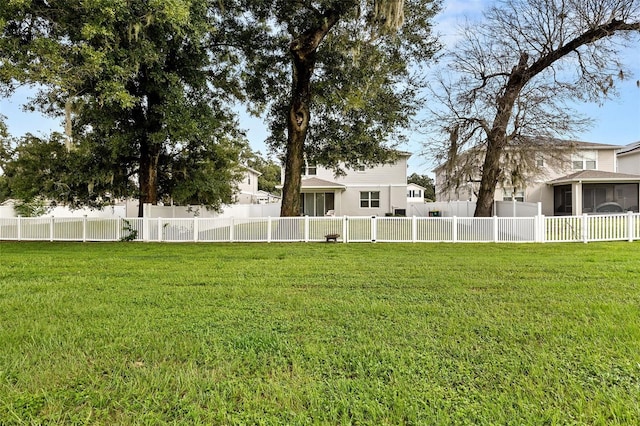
{"x": 509, "y": 195}
{"x": 368, "y": 198}
{"x": 585, "y": 160}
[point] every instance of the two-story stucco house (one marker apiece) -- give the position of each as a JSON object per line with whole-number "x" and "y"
{"x": 368, "y": 191}
{"x": 585, "y": 179}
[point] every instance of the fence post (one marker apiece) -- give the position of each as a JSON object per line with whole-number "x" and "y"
{"x": 231, "y": 236}
{"x": 159, "y": 229}
{"x": 306, "y": 228}
{"x": 118, "y": 228}
{"x": 585, "y": 228}
{"x": 630, "y": 225}
{"x": 269, "y": 229}
{"x": 84, "y": 228}
{"x": 495, "y": 229}
{"x": 51, "y": 229}
{"x": 454, "y": 229}
{"x": 19, "y": 228}
{"x": 145, "y": 229}
{"x": 374, "y": 229}
{"x": 345, "y": 229}
{"x": 414, "y": 229}
{"x": 541, "y": 227}
{"x": 195, "y": 229}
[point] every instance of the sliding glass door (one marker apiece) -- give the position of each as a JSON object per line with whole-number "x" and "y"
{"x": 317, "y": 203}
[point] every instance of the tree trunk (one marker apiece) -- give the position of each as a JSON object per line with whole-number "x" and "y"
{"x": 148, "y": 175}
{"x": 297, "y": 125}
{"x": 147, "y": 119}
{"x": 303, "y": 51}
{"x": 497, "y": 139}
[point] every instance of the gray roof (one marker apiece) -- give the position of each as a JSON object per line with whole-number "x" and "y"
{"x": 315, "y": 183}
{"x": 591, "y": 145}
{"x": 635, "y": 146}
{"x": 595, "y": 176}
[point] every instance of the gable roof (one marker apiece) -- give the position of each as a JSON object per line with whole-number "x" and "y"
{"x": 595, "y": 176}
{"x": 315, "y": 183}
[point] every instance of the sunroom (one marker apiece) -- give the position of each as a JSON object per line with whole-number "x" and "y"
{"x": 595, "y": 192}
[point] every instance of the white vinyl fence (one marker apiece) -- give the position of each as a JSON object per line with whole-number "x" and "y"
{"x": 350, "y": 229}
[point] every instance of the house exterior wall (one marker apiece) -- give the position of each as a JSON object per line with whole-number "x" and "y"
{"x": 607, "y": 160}
{"x": 388, "y": 174}
{"x": 629, "y": 162}
{"x": 248, "y": 188}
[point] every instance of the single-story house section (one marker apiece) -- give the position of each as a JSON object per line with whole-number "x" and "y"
{"x": 415, "y": 193}
{"x": 595, "y": 191}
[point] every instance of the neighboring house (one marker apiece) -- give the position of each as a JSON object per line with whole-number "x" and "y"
{"x": 415, "y": 193}
{"x": 368, "y": 191}
{"x": 584, "y": 180}
{"x": 264, "y": 197}
{"x": 629, "y": 159}
{"x": 248, "y": 187}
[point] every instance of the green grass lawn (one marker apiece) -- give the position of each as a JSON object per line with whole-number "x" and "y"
{"x": 133, "y": 333}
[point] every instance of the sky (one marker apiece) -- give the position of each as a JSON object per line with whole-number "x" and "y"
{"x": 616, "y": 122}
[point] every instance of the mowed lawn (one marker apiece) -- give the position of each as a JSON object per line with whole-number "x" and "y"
{"x": 133, "y": 333}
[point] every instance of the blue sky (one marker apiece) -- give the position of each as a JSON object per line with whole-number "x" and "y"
{"x": 617, "y": 122}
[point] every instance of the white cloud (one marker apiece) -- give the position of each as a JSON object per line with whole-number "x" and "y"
{"x": 454, "y": 14}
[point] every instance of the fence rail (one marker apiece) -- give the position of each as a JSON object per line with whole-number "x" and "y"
{"x": 350, "y": 229}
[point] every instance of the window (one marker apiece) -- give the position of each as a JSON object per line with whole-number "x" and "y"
{"x": 370, "y": 199}
{"x": 414, "y": 193}
{"x": 510, "y": 195}
{"x": 584, "y": 160}
{"x": 309, "y": 170}
{"x": 360, "y": 168}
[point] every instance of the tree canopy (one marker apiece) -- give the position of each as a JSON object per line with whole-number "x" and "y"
{"x": 340, "y": 80}
{"x": 145, "y": 87}
{"x": 513, "y": 74}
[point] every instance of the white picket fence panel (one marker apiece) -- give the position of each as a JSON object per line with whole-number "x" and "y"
{"x": 586, "y": 228}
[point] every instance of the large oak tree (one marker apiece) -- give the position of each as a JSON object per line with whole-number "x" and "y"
{"x": 338, "y": 79}
{"x": 144, "y": 86}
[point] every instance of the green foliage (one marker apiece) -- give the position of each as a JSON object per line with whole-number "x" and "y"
{"x": 128, "y": 232}
{"x": 277, "y": 336}
{"x": 31, "y": 208}
{"x": 270, "y": 172}
{"x": 146, "y": 83}
{"x": 364, "y": 90}
{"x": 425, "y": 182}
{"x": 40, "y": 169}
